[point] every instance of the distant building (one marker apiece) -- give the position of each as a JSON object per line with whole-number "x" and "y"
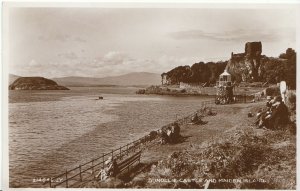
{"x": 164, "y": 79}
{"x": 224, "y": 79}
{"x": 224, "y": 88}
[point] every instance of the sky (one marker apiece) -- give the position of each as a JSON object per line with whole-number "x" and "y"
{"x": 100, "y": 42}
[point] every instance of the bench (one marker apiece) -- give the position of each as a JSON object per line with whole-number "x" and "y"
{"x": 125, "y": 164}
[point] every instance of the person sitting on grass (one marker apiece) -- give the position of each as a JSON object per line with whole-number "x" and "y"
{"x": 170, "y": 134}
{"x": 277, "y": 116}
{"x": 280, "y": 114}
{"x": 164, "y": 137}
{"x": 263, "y": 113}
{"x": 175, "y": 133}
{"x": 269, "y": 104}
{"x": 196, "y": 119}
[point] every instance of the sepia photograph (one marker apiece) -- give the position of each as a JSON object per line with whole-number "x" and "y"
{"x": 149, "y": 95}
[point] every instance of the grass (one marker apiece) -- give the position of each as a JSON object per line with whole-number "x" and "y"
{"x": 226, "y": 148}
{"x": 269, "y": 157}
{"x": 260, "y": 159}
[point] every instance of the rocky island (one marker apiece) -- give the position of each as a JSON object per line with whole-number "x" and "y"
{"x": 35, "y": 83}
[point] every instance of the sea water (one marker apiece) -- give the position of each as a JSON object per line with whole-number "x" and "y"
{"x": 51, "y": 131}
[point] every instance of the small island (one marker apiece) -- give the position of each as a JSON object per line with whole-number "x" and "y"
{"x": 35, "y": 83}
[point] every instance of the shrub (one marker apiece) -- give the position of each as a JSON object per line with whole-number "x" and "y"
{"x": 141, "y": 91}
{"x": 291, "y": 100}
{"x": 272, "y": 91}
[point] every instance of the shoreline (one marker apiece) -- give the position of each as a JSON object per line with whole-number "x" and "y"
{"x": 88, "y": 140}
{"x": 205, "y": 91}
{"x": 219, "y": 131}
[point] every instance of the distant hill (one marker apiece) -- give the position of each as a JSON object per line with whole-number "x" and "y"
{"x": 35, "y": 83}
{"x": 12, "y": 78}
{"x": 131, "y": 79}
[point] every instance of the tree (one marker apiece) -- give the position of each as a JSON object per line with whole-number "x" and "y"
{"x": 198, "y": 73}
{"x": 179, "y": 74}
{"x": 291, "y": 69}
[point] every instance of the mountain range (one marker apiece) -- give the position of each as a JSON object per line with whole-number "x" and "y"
{"x": 131, "y": 79}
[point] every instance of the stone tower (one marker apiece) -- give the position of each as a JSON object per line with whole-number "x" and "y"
{"x": 246, "y": 66}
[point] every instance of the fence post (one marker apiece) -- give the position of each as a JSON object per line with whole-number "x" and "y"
{"x": 50, "y": 182}
{"x": 103, "y": 160}
{"x": 127, "y": 149}
{"x": 139, "y": 159}
{"x": 80, "y": 173}
{"x": 134, "y": 146}
{"x": 140, "y": 141}
{"x": 67, "y": 179}
{"x": 93, "y": 166}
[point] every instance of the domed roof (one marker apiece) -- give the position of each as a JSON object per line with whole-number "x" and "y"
{"x": 225, "y": 73}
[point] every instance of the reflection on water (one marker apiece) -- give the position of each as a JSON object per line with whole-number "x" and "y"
{"x": 48, "y": 135}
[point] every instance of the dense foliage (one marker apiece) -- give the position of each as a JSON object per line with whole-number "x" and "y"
{"x": 198, "y": 73}
{"x": 273, "y": 70}
{"x": 284, "y": 68}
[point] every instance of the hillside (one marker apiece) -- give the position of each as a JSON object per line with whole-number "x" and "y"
{"x": 35, "y": 83}
{"x": 136, "y": 78}
{"x": 226, "y": 151}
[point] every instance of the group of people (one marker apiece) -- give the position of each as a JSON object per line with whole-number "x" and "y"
{"x": 170, "y": 134}
{"x": 275, "y": 115}
{"x": 196, "y": 119}
{"x": 110, "y": 169}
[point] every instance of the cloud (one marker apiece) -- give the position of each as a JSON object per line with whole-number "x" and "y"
{"x": 54, "y": 37}
{"x": 61, "y": 38}
{"x": 68, "y": 55}
{"x": 79, "y": 39}
{"x": 113, "y": 63}
{"x": 115, "y": 58}
{"x": 235, "y": 35}
{"x": 33, "y": 63}
{"x": 117, "y": 63}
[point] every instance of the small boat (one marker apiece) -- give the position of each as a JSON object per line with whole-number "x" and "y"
{"x": 100, "y": 97}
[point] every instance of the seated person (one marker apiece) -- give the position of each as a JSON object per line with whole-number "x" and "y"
{"x": 269, "y": 104}
{"x": 112, "y": 169}
{"x": 195, "y": 118}
{"x": 280, "y": 115}
{"x": 164, "y": 137}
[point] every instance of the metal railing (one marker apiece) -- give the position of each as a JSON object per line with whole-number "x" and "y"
{"x": 88, "y": 169}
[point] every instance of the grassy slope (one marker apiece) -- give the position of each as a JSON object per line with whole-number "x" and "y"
{"x": 227, "y": 147}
